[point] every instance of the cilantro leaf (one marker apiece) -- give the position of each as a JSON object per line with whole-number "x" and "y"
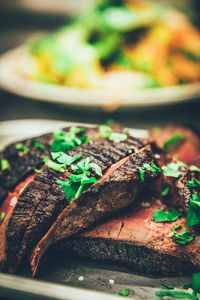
{"x": 2, "y": 216}
{"x": 21, "y": 147}
{"x": 52, "y": 165}
{"x": 4, "y": 164}
{"x": 104, "y": 131}
{"x": 182, "y": 237}
{"x": 152, "y": 167}
{"x": 124, "y": 293}
{"x": 196, "y": 281}
{"x": 162, "y": 216}
{"x": 173, "y": 142}
{"x": 193, "y": 215}
{"x": 65, "y": 141}
{"x": 194, "y": 168}
{"x": 97, "y": 169}
{"x": 165, "y": 189}
{"x": 64, "y": 158}
{"x": 194, "y": 183}
{"x": 141, "y": 172}
{"x": 172, "y": 169}
{"x": 107, "y": 132}
{"x": 174, "y": 294}
{"x": 117, "y": 137}
{"x": 37, "y": 144}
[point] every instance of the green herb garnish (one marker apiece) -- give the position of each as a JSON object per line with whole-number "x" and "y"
{"x": 141, "y": 172}
{"x": 53, "y": 165}
{"x": 194, "y": 168}
{"x": 174, "y": 294}
{"x": 182, "y": 237}
{"x": 194, "y": 183}
{"x": 4, "y": 164}
{"x": 172, "y": 143}
{"x": 193, "y": 215}
{"x": 165, "y": 189}
{"x": 166, "y": 287}
{"x": 152, "y": 167}
{"x": 107, "y": 132}
{"x": 172, "y": 169}
{"x": 64, "y": 158}
{"x": 65, "y": 141}
{"x": 2, "y": 216}
{"x": 124, "y": 293}
{"x": 36, "y": 170}
{"x": 37, "y": 144}
{"x": 21, "y": 147}
{"x": 81, "y": 180}
{"x": 162, "y": 216}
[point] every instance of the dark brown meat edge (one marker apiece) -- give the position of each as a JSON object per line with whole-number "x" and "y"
{"x": 43, "y": 199}
{"x": 117, "y": 189}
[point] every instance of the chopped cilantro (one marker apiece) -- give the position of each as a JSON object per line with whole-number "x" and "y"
{"x": 36, "y": 170}
{"x": 107, "y": 132}
{"x": 64, "y": 158}
{"x": 174, "y": 294}
{"x": 162, "y": 216}
{"x": 4, "y": 164}
{"x": 124, "y": 293}
{"x": 166, "y": 287}
{"x": 199, "y": 243}
{"x": 165, "y": 189}
{"x": 65, "y": 141}
{"x": 110, "y": 122}
{"x": 37, "y": 144}
{"x": 193, "y": 216}
{"x": 2, "y": 216}
{"x": 196, "y": 281}
{"x": 141, "y": 172}
{"x": 21, "y": 147}
{"x": 81, "y": 180}
{"x": 84, "y": 166}
{"x": 183, "y": 237}
{"x": 194, "y": 168}
{"x": 51, "y": 164}
{"x": 194, "y": 183}
{"x": 152, "y": 167}
{"x": 172, "y": 169}
{"x": 172, "y": 143}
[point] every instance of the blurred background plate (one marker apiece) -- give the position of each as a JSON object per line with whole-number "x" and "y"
{"x": 16, "y": 66}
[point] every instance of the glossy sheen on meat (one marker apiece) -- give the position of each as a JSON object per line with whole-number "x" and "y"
{"x": 41, "y": 202}
{"x": 117, "y": 189}
{"x": 133, "y": 240}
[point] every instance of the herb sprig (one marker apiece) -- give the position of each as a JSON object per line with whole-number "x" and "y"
{"x": 172, "y": 169}
{"x": 173, "y": 142}
{"x": 193, "y": 215}
{"x": 162, "y": 216}
{"x": 65, "y": 141}
{"x": 106, "y": 132}
{"x": 181, "y": 237}
{"x": 81, "y": 179}
{"x": 21, "y": 147}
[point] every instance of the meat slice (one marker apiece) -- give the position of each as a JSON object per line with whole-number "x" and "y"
{"x": 23, "y": 164}
{"x": 186, "y": 145}
{"x": 43, "y": 199}
{"x": 117, "y": 189}
{"x": 135, "y": 241}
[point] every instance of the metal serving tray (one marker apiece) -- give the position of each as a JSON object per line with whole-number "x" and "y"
{"x": 72, "y": 278}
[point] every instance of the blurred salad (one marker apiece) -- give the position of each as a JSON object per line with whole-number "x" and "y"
{"x": 120, "y": 44}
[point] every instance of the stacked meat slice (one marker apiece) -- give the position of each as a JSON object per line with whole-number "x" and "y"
{"x": 41, "y": 216}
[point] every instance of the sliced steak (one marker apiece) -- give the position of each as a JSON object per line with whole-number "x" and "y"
{"x": 23, "y": 164}
{"x": 41, "y": 202}
{"x": 133, "y": 240}
{"x": 117, "y": 189}
{"x": 185, "y": 148}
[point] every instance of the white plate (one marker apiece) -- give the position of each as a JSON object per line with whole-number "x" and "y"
{"x": 16, "y": 64}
